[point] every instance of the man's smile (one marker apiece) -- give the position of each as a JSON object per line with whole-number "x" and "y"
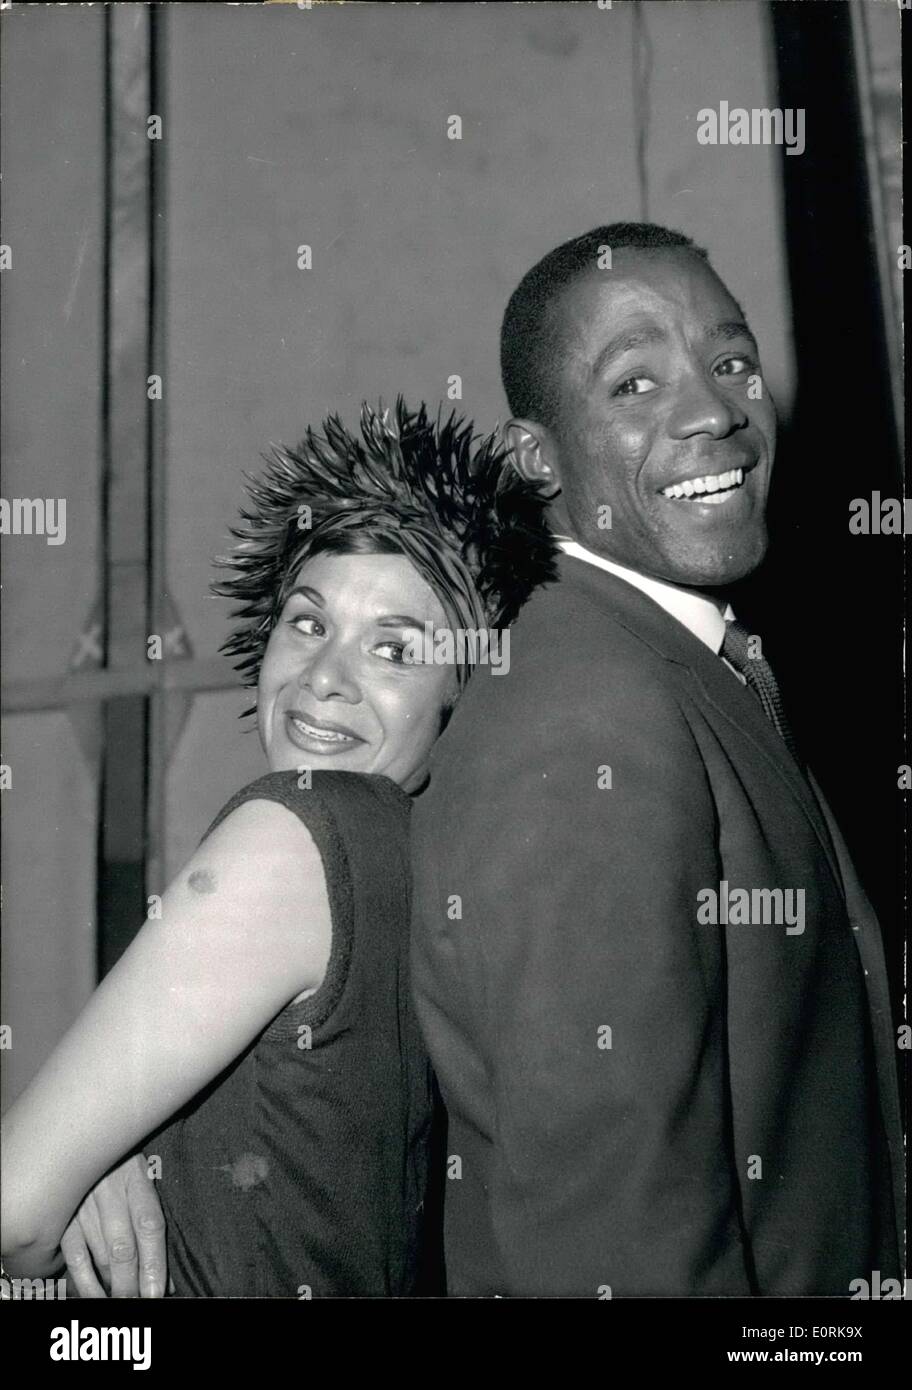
{"x": 709, "y": 487}
{"x": 712, "y": 497}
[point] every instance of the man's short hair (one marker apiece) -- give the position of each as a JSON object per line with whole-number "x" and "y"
{"x": 530, "y": 344}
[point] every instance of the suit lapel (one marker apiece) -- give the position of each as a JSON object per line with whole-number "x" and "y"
{"x": 735, "y": 703}
{"x": 719, "y": 687}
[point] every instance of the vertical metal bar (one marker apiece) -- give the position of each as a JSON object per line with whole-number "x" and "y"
{"x": 161, "y": 703}
{"x": 866, "y": 102}
{"x": 121, "y": 877}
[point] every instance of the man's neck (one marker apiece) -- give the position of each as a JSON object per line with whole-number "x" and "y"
{"x": 703, "y": 612}
{"x": 716, "y": 595}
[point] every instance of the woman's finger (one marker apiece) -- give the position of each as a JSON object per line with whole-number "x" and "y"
{"x": 90, "y": 1225}
{"x": 117, "y": 1236}
{"x": 80, "y": 1268}
{"x": 149, "y": 1228}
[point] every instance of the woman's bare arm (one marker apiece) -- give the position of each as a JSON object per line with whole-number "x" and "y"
{"x": 245, "y": 927}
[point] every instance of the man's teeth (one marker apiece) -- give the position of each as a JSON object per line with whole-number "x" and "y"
{"x": 328, "y": 735}
{"x": 716, "y": 483}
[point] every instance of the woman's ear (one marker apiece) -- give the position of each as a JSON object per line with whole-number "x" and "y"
{"x": 532, "y": 454}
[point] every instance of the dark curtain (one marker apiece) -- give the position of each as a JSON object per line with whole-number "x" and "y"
{"x": 830, "y": 604}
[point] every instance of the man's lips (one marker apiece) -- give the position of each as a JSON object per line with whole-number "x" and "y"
{"x": 324, "y": 735}
{"x": 708, "y": 486}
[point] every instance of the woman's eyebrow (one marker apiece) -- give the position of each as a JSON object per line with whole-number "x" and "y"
{"x": 312, "y": 595}
{"x": 401, "y": 620}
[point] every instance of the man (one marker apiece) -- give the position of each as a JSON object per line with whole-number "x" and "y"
{"x": 652, "y": 987}
{"x": 647, "y": 1095}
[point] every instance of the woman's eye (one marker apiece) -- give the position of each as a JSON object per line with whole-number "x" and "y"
{"x": 634, "y": 386}
{"x": 736, "y": 366}
{"x": 400, "y": 653}
{"x": 307, "y": 625}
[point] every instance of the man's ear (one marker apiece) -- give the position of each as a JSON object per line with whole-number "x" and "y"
{"x": 533, "y": 454}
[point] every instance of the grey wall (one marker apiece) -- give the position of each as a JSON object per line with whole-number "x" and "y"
{"x": 53, "y": 213}
{"x": 328, "y": 127}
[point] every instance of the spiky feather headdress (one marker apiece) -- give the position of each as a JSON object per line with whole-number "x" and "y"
{"x": 437, "y": 493}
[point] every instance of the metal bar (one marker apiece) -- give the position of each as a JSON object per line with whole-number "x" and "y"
{"x": 166, "y": 708}
{"x": 55, "y": 692}
{"x": 121, "y": 860}
{"x": 866, "y": 102}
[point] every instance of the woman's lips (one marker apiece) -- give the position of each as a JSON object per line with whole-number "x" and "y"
{"x": 319, "y": 735}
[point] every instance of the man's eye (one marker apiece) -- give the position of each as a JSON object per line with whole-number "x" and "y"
{"x": 634, "y": 386}
{"x": 736, "y": 366}
{"x": 307, "y": 625}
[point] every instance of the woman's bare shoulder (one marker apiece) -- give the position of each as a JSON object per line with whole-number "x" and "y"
{"x": 264, "y": 855}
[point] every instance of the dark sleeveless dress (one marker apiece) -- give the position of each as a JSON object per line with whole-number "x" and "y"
{"x": 301, "y": 1170}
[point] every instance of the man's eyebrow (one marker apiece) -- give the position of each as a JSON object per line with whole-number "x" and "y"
{"x": 651, "y": 334}
{"x": 627, "y": 341}
{"x": 733, "y": 328}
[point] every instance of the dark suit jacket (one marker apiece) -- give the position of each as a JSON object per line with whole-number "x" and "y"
{"x": 737, "y": 1131}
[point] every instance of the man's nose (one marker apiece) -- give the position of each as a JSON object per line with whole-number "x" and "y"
{"x": 330, "y": 675}
{"x": 702, "y": 407}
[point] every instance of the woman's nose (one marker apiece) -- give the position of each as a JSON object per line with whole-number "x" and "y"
{"x": 330, "y": 675}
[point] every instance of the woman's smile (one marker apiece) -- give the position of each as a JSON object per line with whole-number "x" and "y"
{"x": 320, "y": 736}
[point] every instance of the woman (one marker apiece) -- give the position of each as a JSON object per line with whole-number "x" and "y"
{"x": 259, "y": 1035}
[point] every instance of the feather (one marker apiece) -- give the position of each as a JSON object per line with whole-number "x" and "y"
{"x": 436, "y": 492}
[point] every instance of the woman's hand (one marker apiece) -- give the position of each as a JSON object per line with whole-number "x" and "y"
{"x": 115, "y": 1243}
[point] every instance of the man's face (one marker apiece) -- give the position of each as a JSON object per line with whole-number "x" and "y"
{"x": 656, "y": 420}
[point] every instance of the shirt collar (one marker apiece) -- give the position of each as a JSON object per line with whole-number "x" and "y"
{"x": 702, "y": 614}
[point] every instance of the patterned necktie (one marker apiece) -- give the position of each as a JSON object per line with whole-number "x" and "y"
{"x": 758, "y": 674}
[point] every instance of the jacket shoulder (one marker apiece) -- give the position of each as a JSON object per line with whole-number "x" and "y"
{"x": 570, "y": 661}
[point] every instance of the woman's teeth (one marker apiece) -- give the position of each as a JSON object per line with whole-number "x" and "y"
{"x": 325, "y": 735}
{"x": 715, "y": 487}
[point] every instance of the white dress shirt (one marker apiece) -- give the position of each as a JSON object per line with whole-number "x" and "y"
{"x": 702, "y": 614}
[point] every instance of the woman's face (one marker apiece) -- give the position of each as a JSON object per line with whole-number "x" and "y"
{"x": 334, "y": 691}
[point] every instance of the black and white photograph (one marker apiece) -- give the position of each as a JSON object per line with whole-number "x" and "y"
{"x": 454, "y": 772}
